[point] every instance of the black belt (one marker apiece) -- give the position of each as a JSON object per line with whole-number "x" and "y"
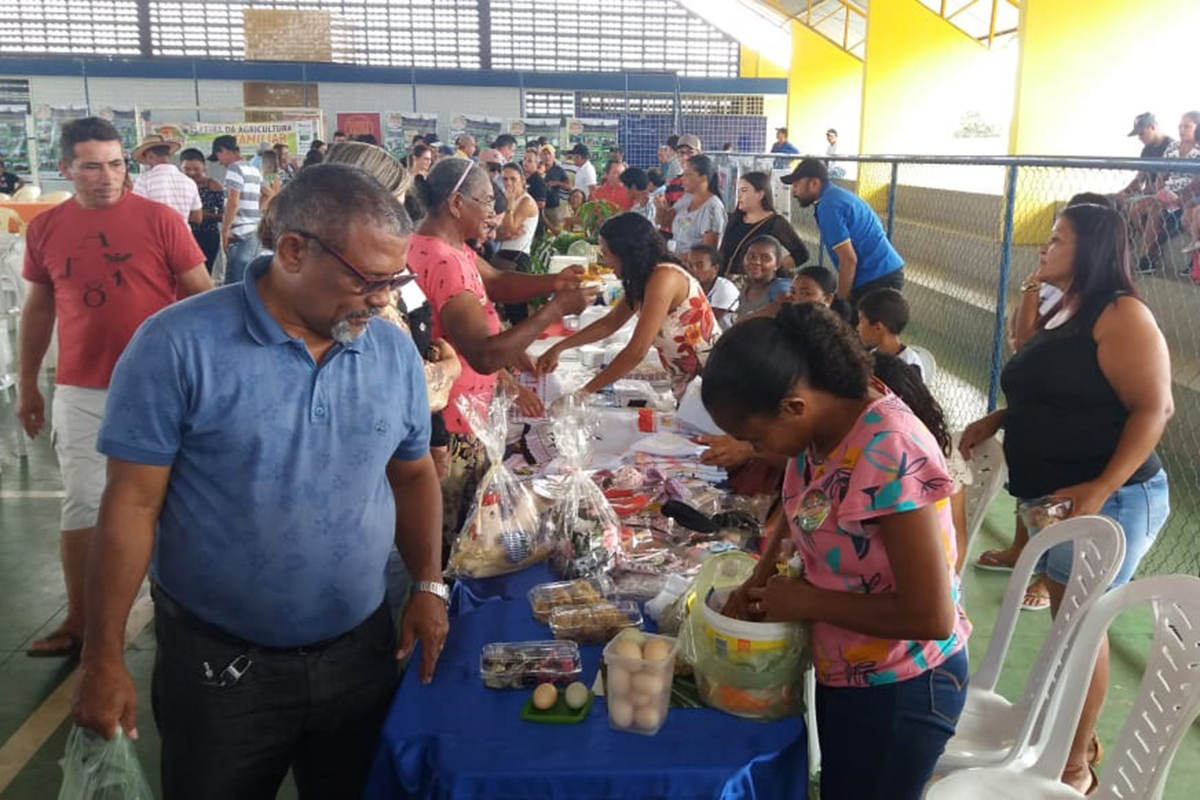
{"x": 165, "y": 605}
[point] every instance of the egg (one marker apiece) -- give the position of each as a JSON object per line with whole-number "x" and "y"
{"x": 620, "y": 713}
{"x": 638, "y": 699}
{"x": 649, "y": 718}
{"x": 576, "y": 696}
{"x": 647, "y": 683}
{"x": 618, "y": 681}
{"x": 545, "y": 696}
{"x": 627, "y": 648}
{"x": 656, "y": 650}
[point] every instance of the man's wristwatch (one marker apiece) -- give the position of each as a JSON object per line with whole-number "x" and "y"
{"x": 433, "y": 587}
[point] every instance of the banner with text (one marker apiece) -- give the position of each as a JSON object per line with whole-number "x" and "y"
{"x": 399, "y": 128}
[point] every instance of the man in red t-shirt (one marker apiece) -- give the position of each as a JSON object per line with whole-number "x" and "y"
{"x": 612, "y": 190}
{"x": 100, "y": 264}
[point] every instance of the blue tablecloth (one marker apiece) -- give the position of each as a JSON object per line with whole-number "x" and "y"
{"x": 470, "y": 593}
{"x": 457, "y": 739}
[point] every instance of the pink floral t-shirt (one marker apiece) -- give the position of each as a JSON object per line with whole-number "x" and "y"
{"x": 444, "y": 273}
{"x": 889, "y": 463}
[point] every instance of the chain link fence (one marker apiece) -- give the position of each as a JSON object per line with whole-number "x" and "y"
{"x": 969, "y": 230}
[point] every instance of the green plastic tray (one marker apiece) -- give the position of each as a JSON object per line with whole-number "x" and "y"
{"x": 559, "y": 713}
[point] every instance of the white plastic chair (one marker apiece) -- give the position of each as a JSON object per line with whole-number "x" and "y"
{"x": 928, "y": 364}
{"x": 1167, "y": 703}
{"x": 10, "y": 219}
{"x": 989, "y": 471}
{"x": 27, "y": 194}
{"x": 991, "y": 729}
{"x": 56, "y": 197}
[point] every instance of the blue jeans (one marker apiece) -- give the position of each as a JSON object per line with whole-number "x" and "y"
{"x": 1140, "y": 508}
{"x": 882, "y": 742}
{"x": 239, "y": 255}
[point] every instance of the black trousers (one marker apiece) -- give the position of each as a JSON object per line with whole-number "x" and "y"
{"x": 316, "y": 711}
{"x": 893, "y": 280}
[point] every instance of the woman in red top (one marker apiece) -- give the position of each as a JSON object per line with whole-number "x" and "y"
{"x": 612, "y": 190}
{"x": 462, "y": 291}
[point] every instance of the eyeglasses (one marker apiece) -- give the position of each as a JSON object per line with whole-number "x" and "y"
{"x": 365, "y": 285}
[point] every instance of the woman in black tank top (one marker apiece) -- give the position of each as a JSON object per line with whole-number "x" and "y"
{"x": 1088, "y": 398}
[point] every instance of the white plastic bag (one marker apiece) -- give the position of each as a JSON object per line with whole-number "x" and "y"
{"x": 95, "y": 769}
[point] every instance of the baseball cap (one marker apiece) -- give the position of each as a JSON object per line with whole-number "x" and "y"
{"x": 1141, "y": 122}
{"x": 225, "y": 142}
{"x": 688, "y": 140}
{"x": 808, "y": 168}
{"x": 580, "y": 150}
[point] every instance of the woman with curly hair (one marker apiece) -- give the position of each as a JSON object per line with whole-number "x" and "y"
{"x": 673, "y": 313}
{"x": 866, "y": 501}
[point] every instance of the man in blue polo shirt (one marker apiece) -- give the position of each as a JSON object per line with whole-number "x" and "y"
{"x": 851, "y": 232}
{"x": 269, "y": 445}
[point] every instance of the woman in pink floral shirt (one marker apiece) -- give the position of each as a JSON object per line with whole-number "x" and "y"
{"x": 867, "y": 505}
{"x": 671, "y": 307}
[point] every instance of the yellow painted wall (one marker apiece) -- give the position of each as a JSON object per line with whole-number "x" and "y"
{"x": 824, "y": 91}
{"x": 916, "y": 81}
{"x": 1083, "y": 77}
{"x": 1081, "y": 80}
{"x": 753, "y": 66}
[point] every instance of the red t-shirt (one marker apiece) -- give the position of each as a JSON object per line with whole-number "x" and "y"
{"x": 110, "y": 268}
{"x": 618, "y": 196}
{"x": 444, "y": 273}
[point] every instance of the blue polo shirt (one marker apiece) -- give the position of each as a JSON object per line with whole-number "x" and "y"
{"x": 842, "y": 217}
{"x": 279, "y": 517}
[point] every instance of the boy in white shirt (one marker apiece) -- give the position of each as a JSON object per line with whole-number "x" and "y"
{"x": 704, "y": 262}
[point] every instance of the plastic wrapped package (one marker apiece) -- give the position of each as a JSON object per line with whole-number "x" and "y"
{"x": 749, "y": 669}
{"x": 501, "y": 533}
{"x": 519, "y": 665}
{"x": 95, "y": 769}
{"x": 595, "y": 624}
{"x": 639, "y": 671}
{"x": 582, "y": 524}
{"x": 545, "y": 598}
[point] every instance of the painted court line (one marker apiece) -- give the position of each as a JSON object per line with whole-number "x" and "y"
{"x": 23, "y": 745}
{"x": 32, "y": 494}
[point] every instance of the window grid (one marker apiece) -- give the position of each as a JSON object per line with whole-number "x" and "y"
{"x": 102, "y": 27}
{"x": 549, "y": 104}
{"x": 530, "y": 35}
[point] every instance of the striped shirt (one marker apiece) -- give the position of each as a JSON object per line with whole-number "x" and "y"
{"x": 242, "y": 177}
{"x": 165, "y": 184}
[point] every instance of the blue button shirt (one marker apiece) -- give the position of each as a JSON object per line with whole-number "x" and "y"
{"x": 843, "y": 217}
{"x": 278, "y": 518}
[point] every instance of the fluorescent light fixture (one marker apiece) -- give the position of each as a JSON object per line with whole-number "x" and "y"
{"x": 752, "y": 23}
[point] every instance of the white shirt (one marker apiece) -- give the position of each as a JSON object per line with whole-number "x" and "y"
{"x": 724, "y": 296}
{"x": 585, "y": 177}
{"x": 165, "y": 184}
{"x": 524, "y": 238}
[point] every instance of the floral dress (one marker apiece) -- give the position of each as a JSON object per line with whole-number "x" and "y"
{"x": 687, "y": 334}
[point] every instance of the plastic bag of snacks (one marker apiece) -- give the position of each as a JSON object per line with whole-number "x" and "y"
{"x": 96, "y": 769}
{"x": 583, "y": 525}
{"x": 501, "y": 533}
{"x": 749, "y": 669}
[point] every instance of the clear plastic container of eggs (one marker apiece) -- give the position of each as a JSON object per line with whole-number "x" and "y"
{"x": 639, "y": 669}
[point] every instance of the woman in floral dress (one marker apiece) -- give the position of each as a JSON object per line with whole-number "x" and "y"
{"x": 673, "y": 313}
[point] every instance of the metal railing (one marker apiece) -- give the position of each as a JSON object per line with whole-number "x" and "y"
{"x": 969, "y": 229}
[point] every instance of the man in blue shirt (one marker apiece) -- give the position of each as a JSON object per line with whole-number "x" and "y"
{"x": 851, "y": 232}
{"x": 269, "y": 445}
{"x": 782, "y": 145}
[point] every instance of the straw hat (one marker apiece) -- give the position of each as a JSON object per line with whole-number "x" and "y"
{"x": 153, "y": 140}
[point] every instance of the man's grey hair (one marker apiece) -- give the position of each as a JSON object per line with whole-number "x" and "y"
{"x": 325, "y": 199}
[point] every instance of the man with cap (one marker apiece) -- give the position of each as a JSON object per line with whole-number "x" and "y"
{"x": 1154, "y": 144}
{"x": 162, "y": 182}
{"x": 850, "y": 231}
{"x": 585, "y": 173}
{"x": 239, "y": 228}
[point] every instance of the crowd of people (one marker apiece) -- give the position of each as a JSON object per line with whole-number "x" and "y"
{"x": 267, "y": 449}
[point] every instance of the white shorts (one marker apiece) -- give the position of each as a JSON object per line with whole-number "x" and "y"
{"x": 76, "y": 413}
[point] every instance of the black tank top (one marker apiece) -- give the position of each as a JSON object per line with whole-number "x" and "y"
{"x": 1064, "y": 419}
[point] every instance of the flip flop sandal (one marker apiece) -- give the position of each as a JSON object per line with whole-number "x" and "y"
{"x": 1040, "y": 602}
{"x": 989, "y": 560}
{"x": 70, "y": 649}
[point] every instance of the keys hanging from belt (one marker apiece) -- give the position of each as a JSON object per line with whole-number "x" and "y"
{"x": 231, "y": 674}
